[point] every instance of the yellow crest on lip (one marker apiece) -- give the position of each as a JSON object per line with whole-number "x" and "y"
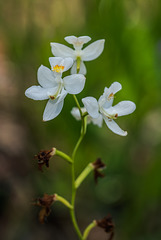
{"x": 111, "y": 96}
{"x": 58, "y": 68}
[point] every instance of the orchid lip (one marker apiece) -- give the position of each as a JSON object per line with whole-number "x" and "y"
{"x": 112, "y": 117}
{"x": 53, "y": 97}
{"x": 78, "y": 53}
{"x": 58, "y": 68}
{"x": 111, "y": 96}
{"x": 109, "y": 116}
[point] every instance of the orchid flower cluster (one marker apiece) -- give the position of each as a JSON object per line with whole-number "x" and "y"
{"x": 55, "y": 88}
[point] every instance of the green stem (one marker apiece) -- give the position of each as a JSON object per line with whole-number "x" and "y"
{"x": 83, "y": 175}
{"x": 72, "y": 211}
{"x": 83, "y": 128}
{"x": 77, "y": 145}
{"x": 82, "y": 133}
{"x": 88, "y": 229}
{"x": 63, "y": 200}
{"x": 63, "y": 155}
{"x": 78, "y": 105}
{"x": 85, "y": 114}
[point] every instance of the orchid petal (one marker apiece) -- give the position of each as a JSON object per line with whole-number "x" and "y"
{"x": 52, "y": 110}
{"x": 76, "y": 113}
{"x": 115, "y": 87}
{"x": 71, "y": 39}
{"x": 53, "y": 91}
{"x": 46, "y": 77}
{"x": 93, "y": 50}
{"x": 114, "y": 127}
{"x": 66, "y": 63}
{"x": 84, "y": 39}
{"x": 103, "y": 98}
{"x": 83, "y": 69}
{"x": 54, "y": 107}
{"x": 62, "y": 95}
{"x": 74, "y": 68}
{"x": 74, "y": 84}
{"x": 60, "y": 50}
{"x": 91, "y": 105}
{"x": 106, "y": 99}
{"x": 98, "y": 121}
{"x": 124, "y": 108}
{"x": 37, "y": 93}
{"x": 55, "y": 61}
{"x": 74, "y": 40}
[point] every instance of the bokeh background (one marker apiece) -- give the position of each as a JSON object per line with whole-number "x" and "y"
{"x": 131, "y": 188}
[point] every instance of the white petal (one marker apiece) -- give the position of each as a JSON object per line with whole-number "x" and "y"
{"x": 52, "y": 110}
{"x": 55, "y": 61}
{"x": 93, "y": 50}
{"x": 68, "y": 62}
{"x": 74, "y": 83}
{"x": 98, "y": 121}
{"x": 53, "y": 91}
{"x": 84, "y": 39}
{"x": 37, "y": 93}
{"x": 75, "y": 113}
{"x": 106, "y": 100}
{"x": 54, "y": 107}
{"x": 64, "y": 62}
{"x": 82, "y": 68}
{"x": 62, "y": 95}
{"x": 124, "y": 108}
{"x": 103, "y": 98}
{"x": 115, "y": 87}
{"x": 110, "y": 111}
{"x": 91, "y": 105}
{"x": 114, "y": 127}
{"x": 73, "y": 40}
{"x": 60, "y": 50}
{"x": 74, "y": 68}
{"x": 45, "y": 77}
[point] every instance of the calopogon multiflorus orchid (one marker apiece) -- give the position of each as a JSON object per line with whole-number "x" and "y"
{"x": 108, "y": 112}
{"x": 78, "y": 54}
{"x": 54, "y": 87}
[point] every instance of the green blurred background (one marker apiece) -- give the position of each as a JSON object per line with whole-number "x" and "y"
{"x": 131, "y": 188}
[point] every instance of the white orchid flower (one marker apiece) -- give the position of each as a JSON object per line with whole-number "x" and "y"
{"x": 54, "y": 87}
{"x": 79, "y": 56}
{"x": 104, "y": 108}
{"x": 96, "y": 121}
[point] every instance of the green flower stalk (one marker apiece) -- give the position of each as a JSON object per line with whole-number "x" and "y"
{"x": 84, "y": 174}
{"x": 63, "y": 200}
{"x": 63, "y": 155}
{"x": 88, "y": 229}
